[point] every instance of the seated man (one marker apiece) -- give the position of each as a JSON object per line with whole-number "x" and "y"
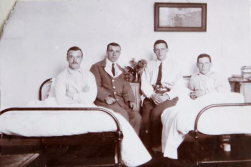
{"x": 114, "y": 92}
{"x": 207, "y": 88}
{"x": 75, "y": 85}
{"x": 206, "y": 81}
{"x": 159, "y": 84}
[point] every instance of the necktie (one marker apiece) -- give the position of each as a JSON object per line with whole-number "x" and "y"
{"x": 159, "y": 75}
{"x": 113, "y": 69}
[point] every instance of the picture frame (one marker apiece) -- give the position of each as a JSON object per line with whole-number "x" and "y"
{"x": 180, "y": 17}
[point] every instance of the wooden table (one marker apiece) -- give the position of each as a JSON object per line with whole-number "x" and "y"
{"x": 241, "y": 85}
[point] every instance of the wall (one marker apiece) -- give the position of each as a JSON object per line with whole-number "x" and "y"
{"x": 34, "y": 43}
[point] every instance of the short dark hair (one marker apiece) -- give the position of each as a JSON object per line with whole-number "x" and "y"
{"x": 112, "y": 44}
{"x": 75, "y": 48}
{"x": 204, "y": 55}
{"x": 160, "y": 41}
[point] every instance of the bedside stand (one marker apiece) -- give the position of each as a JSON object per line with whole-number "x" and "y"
{"x": 243, "y": 86}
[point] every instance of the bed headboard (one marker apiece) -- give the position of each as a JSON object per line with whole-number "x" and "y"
{"x": 44, "y": 89}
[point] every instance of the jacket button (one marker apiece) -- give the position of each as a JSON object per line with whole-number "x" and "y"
{"x": 113, "y": 87}
{"x": 115, "y": 93}
{"x": 113, "y": 80}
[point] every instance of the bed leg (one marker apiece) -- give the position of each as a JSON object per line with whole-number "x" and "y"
{"x": 42, "y": 154}
{"x": 119, "y": 142}
{"x": 196, "y": 147}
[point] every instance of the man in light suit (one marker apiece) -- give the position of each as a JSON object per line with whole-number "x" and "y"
{"x": 159, "y": 85}
{"x": 114, "y": 92}
{"x": 74, "y": 84}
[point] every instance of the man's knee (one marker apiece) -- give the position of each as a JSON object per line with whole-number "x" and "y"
{"x": 120, "y": 111}
{"x": 124, "y": 114}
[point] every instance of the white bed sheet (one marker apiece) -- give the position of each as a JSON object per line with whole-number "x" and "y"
{"x": 179, "y": 120}
{"x": 58, "y": 123}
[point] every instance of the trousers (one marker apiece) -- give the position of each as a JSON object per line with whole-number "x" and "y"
{"x": 151, "y": 120}
{"x": 133, "y": 117}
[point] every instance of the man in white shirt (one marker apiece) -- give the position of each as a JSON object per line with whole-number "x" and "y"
{"x": 114, "y": 92}
{"x": 206, "y": 81}
{"x": 159, "y": 84}
{"x": 74, "y": 84}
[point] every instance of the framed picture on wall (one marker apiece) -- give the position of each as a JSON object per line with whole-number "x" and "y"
{"x": 180, "y": 16}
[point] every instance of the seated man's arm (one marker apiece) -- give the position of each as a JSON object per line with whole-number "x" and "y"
{"x": 89, "y": 93}
{"x": 194, "y": 93}
{"x": 175, "y": 88}
{"x": 102, "y": 92}
{"x": 146, "y": 86}
{"x": 61, "y": 93}
{"x": 128, "y": 95}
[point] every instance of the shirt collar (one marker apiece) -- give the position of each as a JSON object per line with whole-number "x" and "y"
{"x": 109, "y": 63}
{"x": 163, "y": 62}
{"x": 207, "y": 74}
{"x": 73, "y": 71}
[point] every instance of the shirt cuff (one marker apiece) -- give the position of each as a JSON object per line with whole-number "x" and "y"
{"x": 166, "y": 93}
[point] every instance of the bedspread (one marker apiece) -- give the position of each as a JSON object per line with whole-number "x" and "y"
{"x": 179, "y": 120}
{"x": 60, "y": 123}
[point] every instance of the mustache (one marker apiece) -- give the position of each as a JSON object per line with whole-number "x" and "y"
{"x": 74, "y": 62}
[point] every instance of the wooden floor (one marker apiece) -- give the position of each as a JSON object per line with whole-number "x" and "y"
{"x": 209, "y": 150}
{"x": 210, "y": 146}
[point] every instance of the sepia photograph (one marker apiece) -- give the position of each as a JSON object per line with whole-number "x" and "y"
{"x": 125, "y": 83}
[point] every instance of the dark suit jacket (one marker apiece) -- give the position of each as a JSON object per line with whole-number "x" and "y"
{"x": 117, "y": 87}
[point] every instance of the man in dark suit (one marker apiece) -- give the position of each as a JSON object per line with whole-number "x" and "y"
{"x": 114, "y": 92}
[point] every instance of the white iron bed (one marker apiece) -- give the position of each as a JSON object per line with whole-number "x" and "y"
{"x": 43, "y": 123}
{"x": 216, "y": 114}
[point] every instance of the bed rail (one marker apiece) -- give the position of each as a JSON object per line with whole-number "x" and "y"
{"x": 41, "y": 88}
{"x": 196, "y": 133}
{"x": 79, "y": 109}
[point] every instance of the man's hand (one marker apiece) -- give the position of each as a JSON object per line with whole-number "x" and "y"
{"x": 69, "y": 94}
{"x": 158, "y": 99}
{"x": 109, "y": 100}
{"x": 163, "y": 98}
{"x": 197, "y": 93}
{"x": 133, "y": 106}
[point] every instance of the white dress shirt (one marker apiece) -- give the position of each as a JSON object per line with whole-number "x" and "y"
{"x": 81, "y": 83}
{"x": 171, "y": 77}
{"x": 211, "y": 82}
{"x": 108, "y": 68}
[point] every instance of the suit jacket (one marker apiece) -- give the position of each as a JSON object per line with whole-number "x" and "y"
{"x": 116, "y": 87}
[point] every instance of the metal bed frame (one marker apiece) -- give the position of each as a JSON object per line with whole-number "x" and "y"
{"x": 197, "y": 133}
{"x": 42, "y": 142}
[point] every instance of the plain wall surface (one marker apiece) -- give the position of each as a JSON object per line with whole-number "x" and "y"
{"x": 38, "y": 34}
